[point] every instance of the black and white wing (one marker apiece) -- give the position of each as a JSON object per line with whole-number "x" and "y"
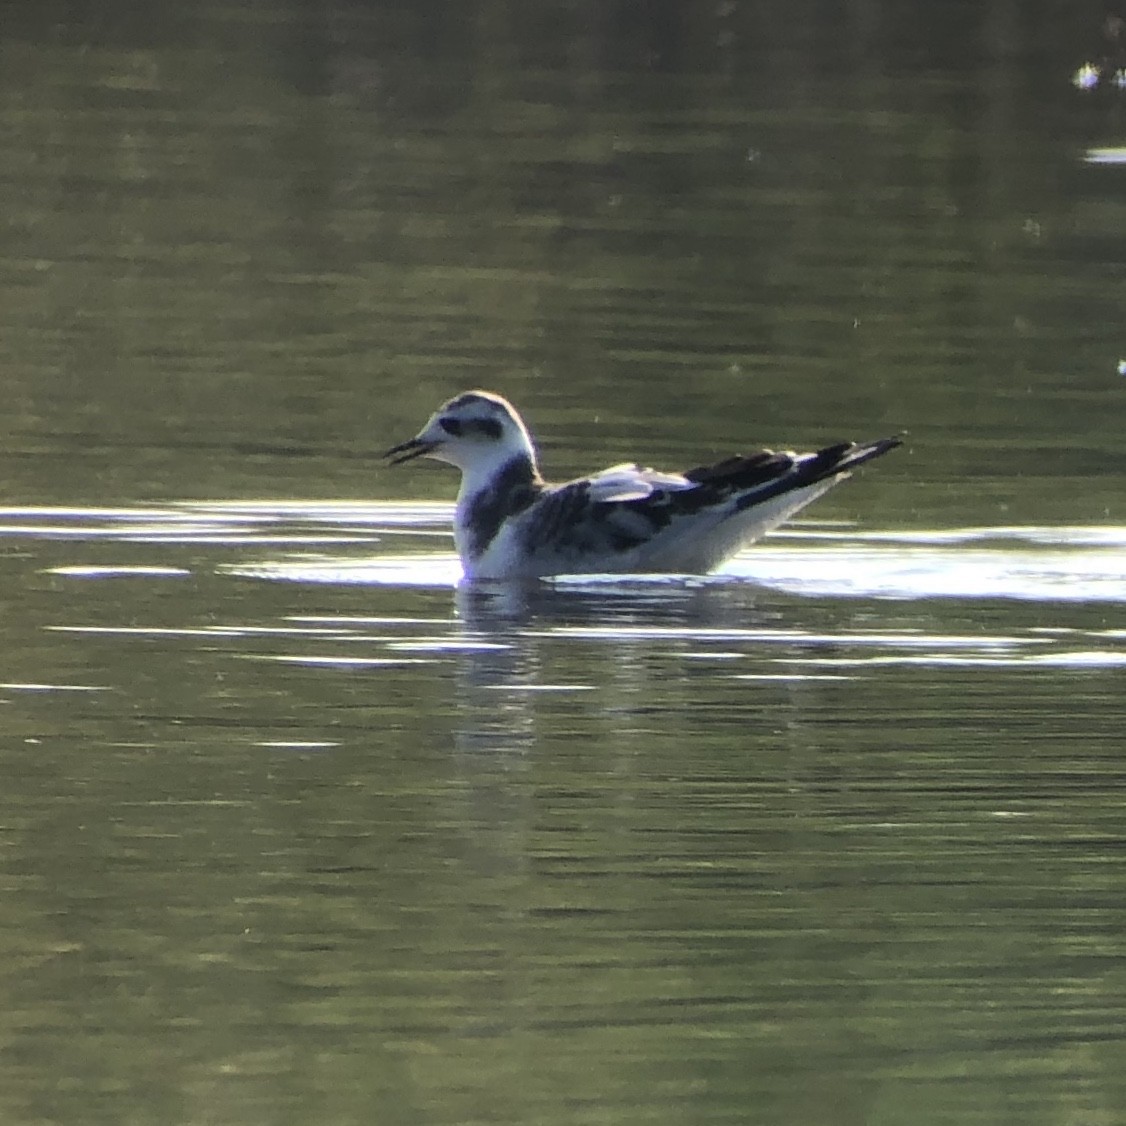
{"x": 635, "y": 516}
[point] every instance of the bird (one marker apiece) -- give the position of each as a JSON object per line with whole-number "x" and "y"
{"x": 509, "y": 523}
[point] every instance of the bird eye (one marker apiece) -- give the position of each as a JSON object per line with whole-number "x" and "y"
{"x": 451, "y": 426}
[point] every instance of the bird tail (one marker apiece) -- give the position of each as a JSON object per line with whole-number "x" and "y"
{"x": 846, "y": 456}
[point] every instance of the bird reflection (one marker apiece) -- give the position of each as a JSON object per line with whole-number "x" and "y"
{"x": 518, "y": 647}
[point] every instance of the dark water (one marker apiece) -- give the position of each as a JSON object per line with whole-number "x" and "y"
{"x": 292, "y": 829}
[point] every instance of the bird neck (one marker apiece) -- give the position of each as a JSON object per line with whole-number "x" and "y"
{"x": 509, "y": 471}
{"x": 487, "y": 499}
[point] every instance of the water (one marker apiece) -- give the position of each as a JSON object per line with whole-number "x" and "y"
{"x": 293, "y": 828}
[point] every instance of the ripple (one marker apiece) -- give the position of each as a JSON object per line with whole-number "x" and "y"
{"x": 331, "y": 660}
{"x": 1113, "y": 154}
{"x": 378, "y": 513}
{"x": 900, "y": 572}
{"x": 419, "y": 570}
{"x": 297, "y": 744}
{"x": 90, "y": 572}
{"x": 1068, "y": 563}
{"x": 792, "y": 636}
{"x": 1079, "y": 535}
{"x": 20, "y": 686}
{"x": 1095, "y": 572}
{"x": 1085, "y": 659}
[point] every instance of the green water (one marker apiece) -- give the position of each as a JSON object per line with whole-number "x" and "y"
{"x": 293, "y": 831}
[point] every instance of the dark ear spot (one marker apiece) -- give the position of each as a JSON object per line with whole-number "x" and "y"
{"x": 490, "y": 427}
{"x": 451, "y": 426}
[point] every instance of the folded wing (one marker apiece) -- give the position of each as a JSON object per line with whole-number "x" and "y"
{"x": 643, "y": 517}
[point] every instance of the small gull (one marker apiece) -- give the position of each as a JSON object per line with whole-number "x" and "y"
{"x": 511, "y": 524}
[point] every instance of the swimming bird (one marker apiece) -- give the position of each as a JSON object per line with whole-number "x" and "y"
{"x": 511, "y": 524}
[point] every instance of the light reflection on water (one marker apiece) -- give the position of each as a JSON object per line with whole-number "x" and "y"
{"x": 767, "y": 648}
{"x": 1069, "y": 564}
{"x": 1033, "y": 563}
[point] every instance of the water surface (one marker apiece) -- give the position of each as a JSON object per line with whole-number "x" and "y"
{"x": 295, "y": 828}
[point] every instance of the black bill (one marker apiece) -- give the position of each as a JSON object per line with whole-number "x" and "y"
{"x": 407, "y": 451}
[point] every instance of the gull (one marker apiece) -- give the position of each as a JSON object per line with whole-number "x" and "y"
{"x": 511, "y": 524}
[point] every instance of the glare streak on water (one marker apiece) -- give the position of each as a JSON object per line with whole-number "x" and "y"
{"x": 297, "y": 744}
{"x": 331, "y": 661}
{"x": 204, "y": 631}
{"x": 1114, "y": 154}
{"x": 121, "y": 571}
{"x": 894, "y": 572}
{"x": 412, "y": 513}
{"x": 905, "y": 572}
{"x": 453, "y": 640}
{"x": 1101, "y": 536}
{"x": 1084, "y": 659}
{"x": 1067, "y": 563}
{"x": 1064, "y": 564}
{"x": 416, "y": 570}
{"x": 16, "y": 686}
{"x": 793, "y": 636}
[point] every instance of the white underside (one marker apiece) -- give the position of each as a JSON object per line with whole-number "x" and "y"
{"x": 690, "y": 545}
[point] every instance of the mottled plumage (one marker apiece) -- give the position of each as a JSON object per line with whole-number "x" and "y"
{"x": 511, "y": 524}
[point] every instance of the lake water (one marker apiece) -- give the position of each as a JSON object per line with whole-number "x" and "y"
{"x": 294, "y": 828}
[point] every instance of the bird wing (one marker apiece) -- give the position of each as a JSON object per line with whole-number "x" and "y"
{"x": 629, "y": 481}
{"x": 625, "y": 507}
{"x": 619, "y": 509}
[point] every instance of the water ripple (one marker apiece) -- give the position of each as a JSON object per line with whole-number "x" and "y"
{"x": 1036, "y": 563}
